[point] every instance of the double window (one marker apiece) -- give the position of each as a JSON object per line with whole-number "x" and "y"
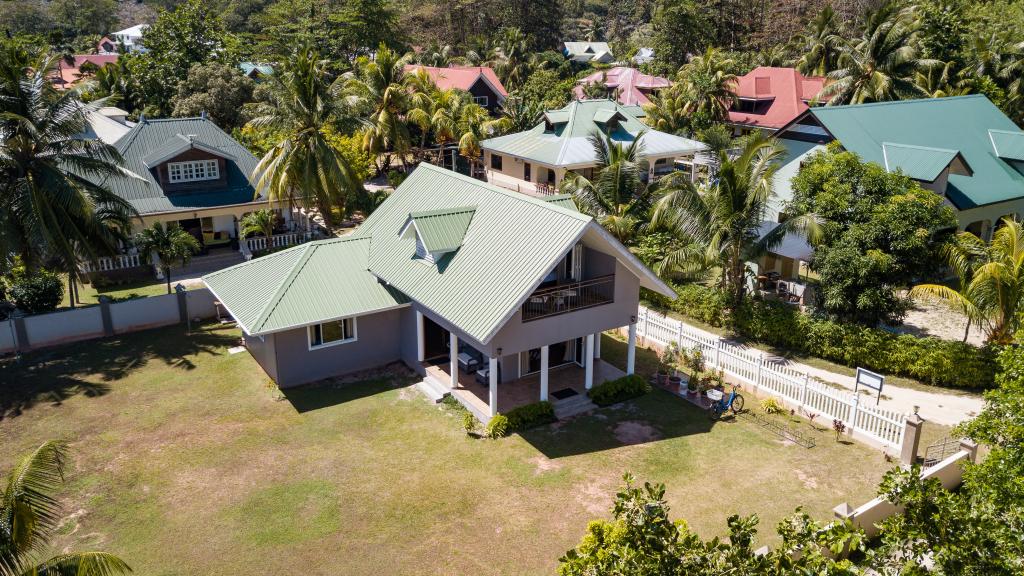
{"x": 332, "y": 333}
{"x": 193, "y": 171}
{"x": 481, "y": 100}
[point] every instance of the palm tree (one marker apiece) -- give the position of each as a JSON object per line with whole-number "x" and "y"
{"x": 517, "y": 115}
{"x": 510, "y": 58}
{"x": 821, "y": 44}
{"x": 50, "y": 203}
{"x": 168, "y": 244}
{"x": 304, "y": 168}
{"x": 940, "y": 81}
{"x": 30, "y": 516}
{"x": 259, "y": 222}
{"x": 728, "y": 218}
{"x": 617, "y": 196}
{"x": 667, "y": 111}
{"x": 991, "y": 281}
{"x": 709, "y": 87}
{"x": 882, "y": 64}
{"x": 457, "y": 119}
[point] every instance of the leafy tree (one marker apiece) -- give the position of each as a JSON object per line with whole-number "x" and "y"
{"x": 169, "y": 244}
{"x": 991, "y": 281}
{"x": 617, "y": 196}
{"x": 880, "y": 232}
{"x": 339, "y": 29}
{"x": 19, "y": 18}
{"x": 681, "y": 28}
{"x": 821, "y": 44}
{"x": 642, "y": 540}
{"x": 547, "y": 89}
{"x": 37, "y": 291}
{"x": 80, "y": 17}
{"x": 220, "y": 90}
{"x": 258, "y": 222}
{"x": 539, "y": 21}
{"x": 510, "y": 57}
{"x": 30, "y": 515}
{"x": 725, "y": 222}
{"x": 304, "y": 168}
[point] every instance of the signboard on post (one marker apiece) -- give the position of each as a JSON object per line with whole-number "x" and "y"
{"x": 871, "y": 380}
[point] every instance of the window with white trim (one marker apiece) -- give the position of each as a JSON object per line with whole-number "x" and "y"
{"x": 481, "y": 100}
{"x": 192, "y": 171}
{"x": 332, "y": 333}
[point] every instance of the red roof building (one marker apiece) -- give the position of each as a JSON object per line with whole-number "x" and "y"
{"x": 68, "y": 73}
{"x": 480, "y": 81}
{"x": 631, "y": 86}
{"x": 771, "y": 98}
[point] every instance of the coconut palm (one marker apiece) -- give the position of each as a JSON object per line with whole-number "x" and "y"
{"x": 456, "y": 117}
{"x": 940, "y": 81}
{"x": 258, "y": 222}
{"x": 510, "y": 57}
{"x": 517, "y": 115}
{"x": 666, "y": 111}
{"x": 304, "y": 168}
{"x": 821, "y": 44}
{"x": 728, "y": 219}
{"x": 50, "y": 203}
{"x": 30, "y": 515}
{"x": 882, "y": 64}
{"x": 991, "y": 278}
{"x": 617, "y": 196}
{"x": 168, "y": 245}
{"x": 709, "y": 87}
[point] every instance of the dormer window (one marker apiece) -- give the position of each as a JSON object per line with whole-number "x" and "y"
{"x": 193, "y": 171}
{"x": 438, "y": 232}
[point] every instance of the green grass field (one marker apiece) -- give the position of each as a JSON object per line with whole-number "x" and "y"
{"x": 184, "y": 461}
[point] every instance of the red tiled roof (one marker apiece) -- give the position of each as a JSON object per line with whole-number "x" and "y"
{"x": 786, "y": 89}
{"x": 460, "y": 77}
{"x": 631, "y": 84}
{"x": 67, "y": 74}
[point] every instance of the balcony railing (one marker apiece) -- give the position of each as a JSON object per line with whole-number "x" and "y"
{"x": 569, "y": 297}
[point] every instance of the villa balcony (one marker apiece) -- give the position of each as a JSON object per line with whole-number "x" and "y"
{"x": 565, "y": 298}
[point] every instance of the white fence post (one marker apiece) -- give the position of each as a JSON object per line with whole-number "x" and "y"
{"x": 760, "y": 372}
{"x": 803, "y": 391}
{"x": 853, "y": 412}
{"x": 679, "y": 334}
{"x": 718, "y": 353}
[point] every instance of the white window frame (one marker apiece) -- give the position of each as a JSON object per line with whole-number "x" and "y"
{"x": 481, "y": 100}
{"x": 179, "y": 172}
{"x": 353, "y": 338}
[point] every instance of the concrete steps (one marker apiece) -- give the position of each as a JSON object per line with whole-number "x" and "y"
{"x": 432, "y": 389}
{"x": 573, "y": 406}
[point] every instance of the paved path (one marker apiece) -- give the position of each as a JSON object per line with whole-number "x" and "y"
{"x": 935, "y": 405}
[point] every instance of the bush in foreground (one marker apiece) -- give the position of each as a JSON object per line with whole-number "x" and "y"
{"x": 618, "y": 390}
{"x": 530, "y": 415}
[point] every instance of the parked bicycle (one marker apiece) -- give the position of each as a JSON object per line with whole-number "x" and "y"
{"x": 720, "y": 403}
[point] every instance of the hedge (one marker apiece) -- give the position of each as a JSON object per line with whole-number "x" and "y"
{"x": 618, "y": 390}
{"x": 928, "y": 359}
{"x": 530, "y": 415}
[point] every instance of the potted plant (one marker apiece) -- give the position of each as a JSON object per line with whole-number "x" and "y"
{"x": 694, "y": 360}
{"x": 670, "y": 357}
{"x": 664, "y": 362}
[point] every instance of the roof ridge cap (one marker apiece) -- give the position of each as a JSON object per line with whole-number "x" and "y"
{"x": 275, "y": 299}
{"x": 898, "y": 102}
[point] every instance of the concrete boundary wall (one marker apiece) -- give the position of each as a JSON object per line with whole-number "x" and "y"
{"x": 105, "y": 319}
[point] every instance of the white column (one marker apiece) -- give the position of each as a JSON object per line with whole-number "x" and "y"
{"x": 453, "y": 352}
{"x": 493, "y": 391}
{"x": 597, "y": 345}
{"x": 420, "y": 344}
{"x": 543, "y": 373}
{"x": 631, "y": 349}
{"x": 588, "y": 381}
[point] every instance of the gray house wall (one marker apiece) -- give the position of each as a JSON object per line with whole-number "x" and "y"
{"x": 262, "y": 350}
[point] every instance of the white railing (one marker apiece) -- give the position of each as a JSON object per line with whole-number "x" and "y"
{"x": 792, "y": 386}
{"x": 258, "y": 243}
{"x": 108, "y": 263}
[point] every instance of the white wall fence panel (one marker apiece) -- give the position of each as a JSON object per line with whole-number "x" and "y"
{"x": 66, "y": 326}
{"x": 6, "y": 335}
{"x": 143, "y": 313}
{"x": 795, "y": 388}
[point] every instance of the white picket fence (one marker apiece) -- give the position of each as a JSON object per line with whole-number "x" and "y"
{"x": 792, "y": 386}
{"x": 108, "y": 263}
{"x": 257, "y": 243}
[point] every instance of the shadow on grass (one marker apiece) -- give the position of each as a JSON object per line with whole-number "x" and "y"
{"x": 327, "y": 393}
{"x": 56, "y": 374}
{"x": 664, "y": 414}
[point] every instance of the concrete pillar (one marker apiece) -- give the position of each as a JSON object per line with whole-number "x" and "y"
{"x": 911, "y": 439}
{"x": 588, "y": 358}
{"x": 597, "y": 345}
{"x": 420, "y": 344}
{"x": 631, "y": 349}
{"x": 453, "y": 352}
{"x": 544, "y": 373}
{"x": 971, "y": 447}
{"x": 108, "y": 322}
{"x": 493, "y": 388}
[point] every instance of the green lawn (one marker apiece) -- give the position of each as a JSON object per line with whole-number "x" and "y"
{"x": 90, "y": 295}
{"x": 184, "y": 461}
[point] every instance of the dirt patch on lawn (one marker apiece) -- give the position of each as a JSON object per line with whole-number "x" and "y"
{"x": 635, "y": 432}
{"x": 544, "y": 464}
{"x": 596, "y": 496}
{"x": 810, "y": 482}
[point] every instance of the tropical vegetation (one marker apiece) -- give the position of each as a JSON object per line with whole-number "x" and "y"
{"x": 165, "y": 246}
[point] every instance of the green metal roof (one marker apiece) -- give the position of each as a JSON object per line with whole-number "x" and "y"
{"x": 563, "y": 200}
{"x": 566, "y": 145}
{"x": 918, "y": 162}
{"x": 443, "y": 230}
{"x": 151, "y": 139}
{"x": 962, "y": 123}
{"x": 1007, "y": 144}
{"x": 307, "y": 284}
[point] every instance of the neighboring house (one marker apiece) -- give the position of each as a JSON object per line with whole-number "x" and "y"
{"x": 536, "y": 161}
{"x": 627, "y": 85}
{"x": 69, "y": 73}
{"x": 131, "y": 38}
{"x": 108, "y": 124}
{"x": 769, "y": 98}
{"x": 255, "y": 69}
{"x": 482, "y": 290}
{"x": 588, "y": 52}
{"x": 643, "y": 56}
{"x": 480, "y": 81}
{"x": 106, "y": 46}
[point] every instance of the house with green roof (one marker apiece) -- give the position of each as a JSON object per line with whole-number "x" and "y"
{"x": 587, "y": 52}
{"x": 962, "y": 148}
{"x": 537, "y": 160}
{"x": 495, "y": 297}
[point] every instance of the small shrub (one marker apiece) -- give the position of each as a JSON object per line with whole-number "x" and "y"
{"x": 839, "y": 426}
{"x": 468, "y": 422}
{"x": 530, "y": 415}
{"x": 618, "y": 390}
{"x": 36, "y": 292}
{"x": 771, "y": 406}
{"x": 497, "y": 427}
{"x": 395, "y": 178}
